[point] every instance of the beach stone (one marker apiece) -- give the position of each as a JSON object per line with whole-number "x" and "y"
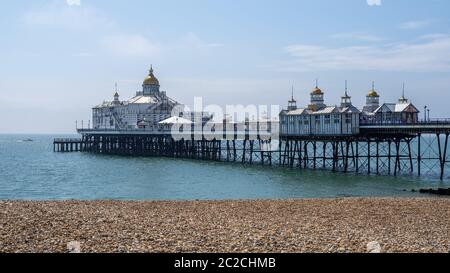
{"x": 374, "y": 247}
{"x": 74, "y": 247}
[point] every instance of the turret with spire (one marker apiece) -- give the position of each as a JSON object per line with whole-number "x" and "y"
{"x": 346, "y": 100}
{"x": 292, "y": 104}
{"x": 403, "y": 99}
{"x": 372, "y": 100}
{"x": 116, "y": 95}
{"x": 317, "y": 100}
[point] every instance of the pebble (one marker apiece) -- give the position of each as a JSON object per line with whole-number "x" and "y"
{"x": 74, "y": 247}
{"x": 373, "y": 247}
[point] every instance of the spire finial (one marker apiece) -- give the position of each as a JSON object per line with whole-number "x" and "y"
{"x": 317, "y": 83}
{"x": 403, "y": 91}
{"x": 373, "y": 85}
{"x": 292, "y": 92}
{"x": 115, "y": 86}
{"x": 346, "y": 89}
{"x": 151, "y": 69}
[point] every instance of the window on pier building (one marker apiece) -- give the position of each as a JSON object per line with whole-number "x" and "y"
{"x": 317, "y": 120}
{"x": 388, "y": 116}
{"x": 327, "y": 119}
{"x": 306, "y": 120}
{"x": 337, "y": 119}
{"x": 348, "y": 118}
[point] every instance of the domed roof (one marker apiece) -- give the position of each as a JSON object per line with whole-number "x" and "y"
{"x": 317, "y": 91}
{"x": 151, "y": 79}
{"x": 373, "y": 93}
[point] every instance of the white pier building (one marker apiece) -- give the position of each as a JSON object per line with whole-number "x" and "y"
{"x": 146, "y": 109}
{"x": 322, "y": 120}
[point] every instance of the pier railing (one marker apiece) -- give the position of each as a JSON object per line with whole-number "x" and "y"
{"x": 65, "y": 140}
{"x": 431, "y": 122}
{"x": 232, "y": 131}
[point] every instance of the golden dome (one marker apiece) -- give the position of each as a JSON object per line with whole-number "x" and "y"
{"x": 373, "y": 93}
{"x": 317, "y": 91}
{"x": 151, "y": 79}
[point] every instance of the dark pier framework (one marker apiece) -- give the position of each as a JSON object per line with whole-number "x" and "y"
{"x": 407, "y": 150}
{"x": 383, "y": 155}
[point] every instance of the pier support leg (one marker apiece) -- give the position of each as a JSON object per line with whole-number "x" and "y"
{"x": 378, "y": 157}
{"x": 368, "y": 157}
{"x": 397, "y": 157}
{"x": 314, "y": 154}
{"x": 335, "y": 155}
{"x": 324, "y": 158}
{"x": 251, "y": 151}
{"x": 305, "y": 155}
{"x": 411, "y": 164}
{"x": 389, "y": 156}
{"x": 442, "y": 154}
{"x": 347, "y": 149}
{"x": 419, "y": 154}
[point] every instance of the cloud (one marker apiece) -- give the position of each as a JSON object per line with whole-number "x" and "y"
{"x": 73, "y": 2}
{"x": 357, "y": 36}
{"x": 374, "y": 2}
{"x": 134, "y": 45}
{"x": 430, "y": 55}
{"x": 415, "y": 24}
{"x": 104, "y": 32}
{"x": 57, "y": 15}
{"x": 193, "y": 40}
{"x": 434, "y": 36}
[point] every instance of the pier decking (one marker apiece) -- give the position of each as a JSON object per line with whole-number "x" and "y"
{"x": 68, "y": 145}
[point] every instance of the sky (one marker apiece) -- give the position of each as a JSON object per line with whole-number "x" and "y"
{"x": 59, "y": 58}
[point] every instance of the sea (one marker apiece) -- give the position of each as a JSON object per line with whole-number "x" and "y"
{"x": 30, "y": 170}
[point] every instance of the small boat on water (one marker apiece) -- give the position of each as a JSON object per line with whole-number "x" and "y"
{"x": 27, "y": 140}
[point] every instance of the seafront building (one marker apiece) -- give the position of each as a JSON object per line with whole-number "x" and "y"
{"x": 148, "y": 109}
{"x": 320, "y": 119}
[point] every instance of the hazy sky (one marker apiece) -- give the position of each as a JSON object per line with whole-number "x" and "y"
{"x": 59, "y": 58}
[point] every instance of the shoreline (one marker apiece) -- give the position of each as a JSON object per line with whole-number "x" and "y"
{"x": 399, "y": 224}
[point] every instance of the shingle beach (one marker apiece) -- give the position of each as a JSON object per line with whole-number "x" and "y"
{"x": 328, "y": 225}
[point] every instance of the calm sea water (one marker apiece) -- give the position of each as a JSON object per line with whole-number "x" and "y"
{"x": 32, "y": 171}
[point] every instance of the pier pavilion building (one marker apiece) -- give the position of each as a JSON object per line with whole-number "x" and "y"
{"x": 146, "y": 109}
{"x": 402, "y": 112}
{"x": 322, "y": 120}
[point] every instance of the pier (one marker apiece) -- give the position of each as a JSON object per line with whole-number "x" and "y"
{"x": 377, "y": 138}
{"x": 390, "y": 149}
